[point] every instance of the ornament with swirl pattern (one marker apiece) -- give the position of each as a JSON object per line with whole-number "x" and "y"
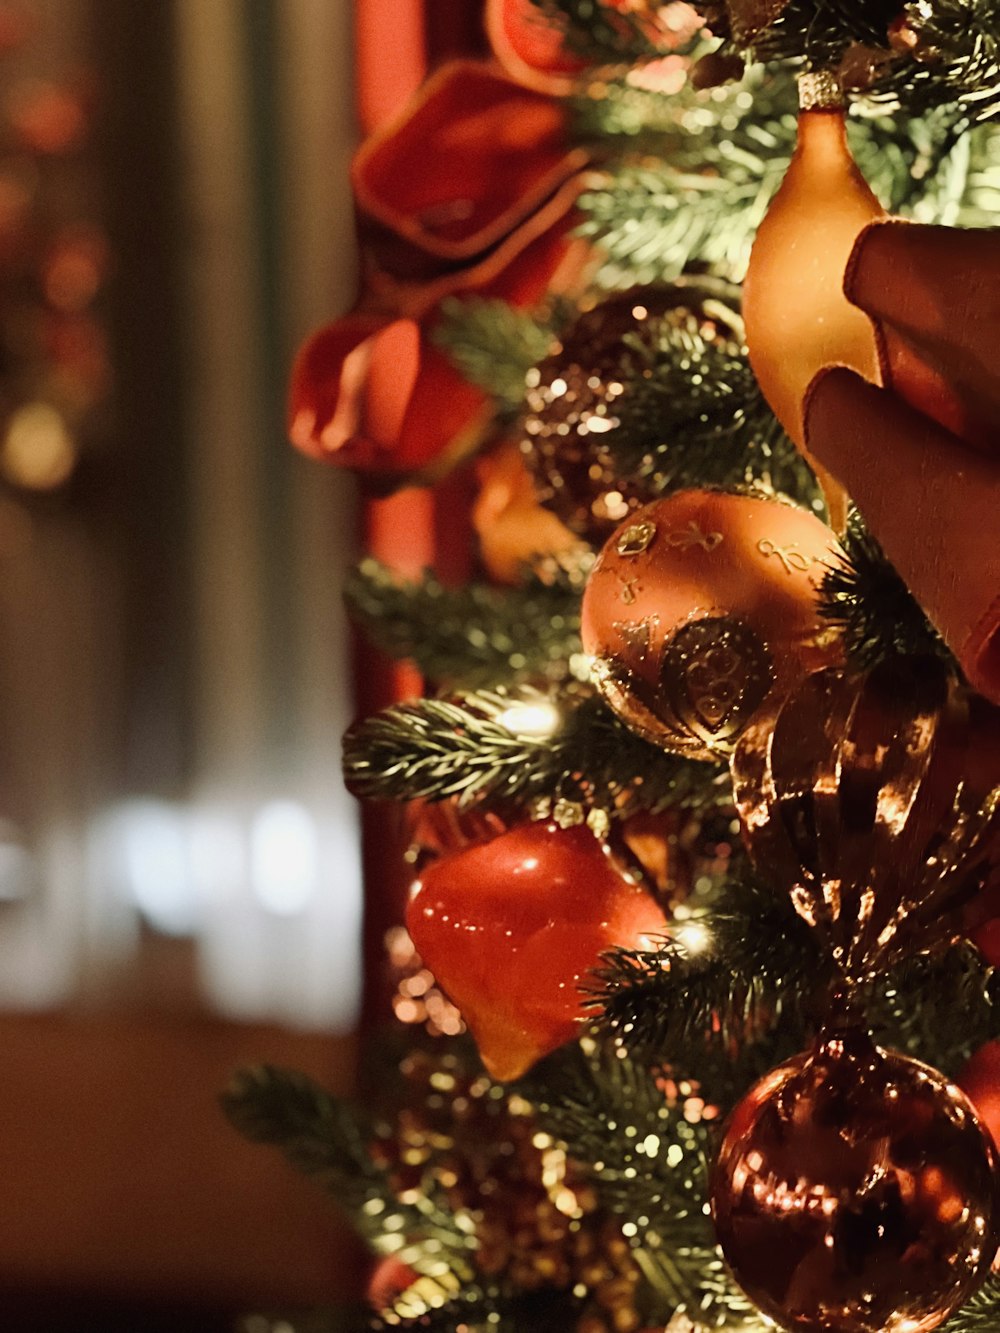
{"x": 700, "y": 606}
{"x": 875, "y": 802}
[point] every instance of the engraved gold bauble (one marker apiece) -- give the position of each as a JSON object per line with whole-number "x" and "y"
{"x": 699, "y": 608}
{"x": 856, "y": 1192}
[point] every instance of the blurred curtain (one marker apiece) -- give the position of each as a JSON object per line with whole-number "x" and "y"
{"x": 177, "y": 671}
{"x": 397, "y": 42}
{"x": 267, "y": 133}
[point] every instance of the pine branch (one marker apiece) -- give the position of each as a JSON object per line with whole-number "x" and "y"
{"x": 979, "y": 1315}
{"x": 436, "y": 749}
{"x": 477, "y": 635}
{"x": 724, "y": 153}
{"x": 863, "y": 596}
{"x": 493, "y": 1308}
{"x": 653, "y": 224}
{"x": 958, "y": 53}
{"x": 950, "y": 55}
{"x": 492, "y": 344}
{"x": 329, "y": 1142}
{"x": 940, "y": 1007}
{"x": 758, "y": 975}
{"x": 649, "y": 1164}
{"x": 692, "y": 414}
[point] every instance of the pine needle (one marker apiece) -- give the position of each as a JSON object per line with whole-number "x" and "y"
{"x": 647, "y": 1161}
{"x": 864, "y": 597}
{"x": 979, "y": 1315}
{"x": 476, "y": 635}
{"x": 464, "y": 748}
{"x": 492, "y": 344}
{"x": 330, "y": 1142}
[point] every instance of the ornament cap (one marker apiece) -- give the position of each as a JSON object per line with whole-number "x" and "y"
{"x": 820, "y": 90}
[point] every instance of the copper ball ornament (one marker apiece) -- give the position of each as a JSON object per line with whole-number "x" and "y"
{"x": 699, "y": 607}
{"x": 856, "y": 1192}
{"x": 572, "y": 396}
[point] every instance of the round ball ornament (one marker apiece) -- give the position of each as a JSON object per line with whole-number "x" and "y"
{"x": 698, "y": 608}
{"x": 573, "y": 396}
{"x": 511, "y": 928}
{"x": 856, "y": 1191}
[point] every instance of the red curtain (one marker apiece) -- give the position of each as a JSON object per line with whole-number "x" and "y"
{"x": 397, "y": 42}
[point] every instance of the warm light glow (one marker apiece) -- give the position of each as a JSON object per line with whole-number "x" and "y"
{"x": 38, "y": 450}
{"x": 693, "y": 936}
{"x": 534, "y": 720}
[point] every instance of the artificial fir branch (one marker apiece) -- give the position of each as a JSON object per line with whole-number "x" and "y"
{"x": 862, "y": 595}
{"x": 725, "y": 153}
{"x": 759, "y": 969}
{"x": 981, "y": 1314}
{"x": 465, "y": 748}
{"x": 958, "y": 50}
{"x": 492, "y": 1308}
{"x": 647, "y": 1158}
{"x": 493, "y": 344}
{"x": 692, "y": 414}
{"x": 938, "y": 1007}
{"x": 330, "y": 1142}
{"x": 478, "y": 634}
{"x": 948, "y": 54}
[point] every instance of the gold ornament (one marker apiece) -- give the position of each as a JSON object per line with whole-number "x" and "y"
{"x": 856, "y": 1191}
{"x": 876, "y": 802}
{"x": 698, "y": 607}
{"x": 798, "y": 319}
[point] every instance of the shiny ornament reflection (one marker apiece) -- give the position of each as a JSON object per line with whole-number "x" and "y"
{"x": 876, "y": 803}
{"x": 856, "y": 1192}
{"x": 512, "y": 927}
{"x": 798, "y": 319}
{"x": 698, "y": 607}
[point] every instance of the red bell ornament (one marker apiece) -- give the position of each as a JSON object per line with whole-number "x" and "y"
{"x": 511, "y": 927}
{"x": 699, "y": 606}
{"x": 798, "y": 319}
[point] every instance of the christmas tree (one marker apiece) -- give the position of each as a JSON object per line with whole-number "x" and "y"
{"x": 704, "y": 785}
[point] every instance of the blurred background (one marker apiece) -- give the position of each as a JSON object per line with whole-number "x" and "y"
{"x": 179, "y": 864}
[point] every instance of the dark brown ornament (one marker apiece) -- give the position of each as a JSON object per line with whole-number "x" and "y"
{"x": 572, "y": 396}
{"x": 856, "y": 1192}
{"x": 698, "y": 607}
{"x": 876, "y": 803}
